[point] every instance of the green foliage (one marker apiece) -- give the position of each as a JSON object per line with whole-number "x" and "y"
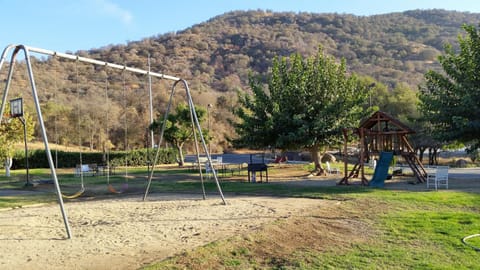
{"x": 179, "y": 127}
{"x": 138, "y": 157}
{"x": 474, "y": 154}
{"x": 142, "y": 157}
{"x": 402, "y": 103}
{"x": 307, "y": 104}
{"x": 451, "y": 100}
{"x": 11, "y": 132}
{"x": 453, "y": 145}
{"x": 256, "y": 129}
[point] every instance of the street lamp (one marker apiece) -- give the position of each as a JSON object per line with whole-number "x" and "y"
{"x": 209, "y": 106}
{"x": 16, "y": 111}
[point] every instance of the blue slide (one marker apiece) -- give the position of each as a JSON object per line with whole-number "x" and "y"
{"x": 381, "y": 171}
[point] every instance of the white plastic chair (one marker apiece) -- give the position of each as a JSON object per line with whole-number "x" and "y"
{"x": 438, "y": 177}
{"x": 331, "y": 170}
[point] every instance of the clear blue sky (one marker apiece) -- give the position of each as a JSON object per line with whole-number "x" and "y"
{"x": 71, "y": 25}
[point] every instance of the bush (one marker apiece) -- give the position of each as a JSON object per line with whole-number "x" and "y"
{"x": 139, "y": 157}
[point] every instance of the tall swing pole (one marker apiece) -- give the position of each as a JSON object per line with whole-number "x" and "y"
{"x": 40, "y": 120}
{"x": 150, "y": 101}
{"x": 160, "y": 140}
{"x": 197, "y": 151}
{"x": 199, "y": 128}
{"x": 79, "y": 128}
{"x": 196, "y": 125}
{"x": 47, "y": 147}
{"x": 125, "y": 122}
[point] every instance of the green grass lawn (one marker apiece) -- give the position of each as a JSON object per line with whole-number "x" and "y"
{"x": 412, "y": 230}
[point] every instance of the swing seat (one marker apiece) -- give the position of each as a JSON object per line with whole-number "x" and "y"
{"x": 75, "y": 195}
{"x": 113, "y": 190}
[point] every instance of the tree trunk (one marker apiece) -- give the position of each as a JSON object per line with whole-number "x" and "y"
{"x": 435, "y": 155}
{"x": 8, "y": 165}
{"x": 432, "y": 156}
{"x": 318, "y": 170}
{"x": 422, "y": 151}
{"x": 430, "y": 161}
{"x": 180, "y": 158}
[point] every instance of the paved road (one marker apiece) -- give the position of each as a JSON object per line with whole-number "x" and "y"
{"x": 464, "y": 173}
{"x": 233, "y": 158}
{"x": 459, "y": 173}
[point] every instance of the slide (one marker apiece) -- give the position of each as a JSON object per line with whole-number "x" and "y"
{"x": 381, "y": 171}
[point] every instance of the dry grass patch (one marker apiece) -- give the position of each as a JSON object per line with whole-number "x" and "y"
{"x": 277, "y": 245}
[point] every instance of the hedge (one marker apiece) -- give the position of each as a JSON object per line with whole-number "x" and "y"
{"x": 139, "y": 157}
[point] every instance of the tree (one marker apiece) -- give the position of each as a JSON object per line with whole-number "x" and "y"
{"x": 179, "y": 130}
{"x": 11, "y": 132}
{"x": 402, "y": 103}
{"x": 424, "y": 140}
{"x": 451, "y": 100}
{"x": 307, "y": 104}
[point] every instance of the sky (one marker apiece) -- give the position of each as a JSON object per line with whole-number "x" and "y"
{"x": 72, "y": 25}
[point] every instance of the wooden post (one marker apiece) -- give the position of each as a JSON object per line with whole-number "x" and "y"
{"x": 344, "y": 181}
{"x": 362, "y": 156}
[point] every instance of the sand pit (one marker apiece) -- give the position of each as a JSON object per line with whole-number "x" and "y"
{"x": 126, "y": 233}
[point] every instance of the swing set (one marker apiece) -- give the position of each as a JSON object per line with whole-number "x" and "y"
{"x": 82, "y": 169}
{"x": 197, "y": 131}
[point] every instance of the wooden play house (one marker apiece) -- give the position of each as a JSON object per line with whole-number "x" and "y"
{"x": 381, "y": 133}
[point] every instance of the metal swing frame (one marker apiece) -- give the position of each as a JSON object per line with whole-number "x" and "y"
{"x": 14, "y": 49}
{"x": 196, "y": 128}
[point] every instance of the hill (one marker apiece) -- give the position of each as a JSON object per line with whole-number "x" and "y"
{"x": 216, "y": 57}
{"x": 219, "y": 53}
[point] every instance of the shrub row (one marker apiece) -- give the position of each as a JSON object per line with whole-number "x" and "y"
{"x": 139, "y": 157}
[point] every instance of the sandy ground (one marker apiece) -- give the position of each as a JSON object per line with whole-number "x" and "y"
{"x": 128, "y": 233}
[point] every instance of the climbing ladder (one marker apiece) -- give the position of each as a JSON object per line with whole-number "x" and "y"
{"x": 414, "y": 163}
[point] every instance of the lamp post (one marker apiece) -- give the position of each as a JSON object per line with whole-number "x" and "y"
{"x": 16, "y": 111}
{"x": 149, "y": 158}
{"x": 209, "y": 106}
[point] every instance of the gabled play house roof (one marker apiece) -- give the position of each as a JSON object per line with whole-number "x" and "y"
{"x": 378, "y": 118}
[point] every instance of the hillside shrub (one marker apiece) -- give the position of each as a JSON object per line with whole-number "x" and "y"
{"x": 138, "y": 157}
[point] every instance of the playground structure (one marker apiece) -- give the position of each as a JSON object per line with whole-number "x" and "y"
{"x": 383, "y": 136}
{"x": 197, "y": 131}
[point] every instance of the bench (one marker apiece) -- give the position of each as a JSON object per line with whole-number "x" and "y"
{"x": 86, "y": 170}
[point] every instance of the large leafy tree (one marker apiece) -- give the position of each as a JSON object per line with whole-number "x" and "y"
{"x": 450, "y": 100}
{"x": 11, "y": 133}
{"x": 307, "y": 104}
{"x": 178, "y": 129}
